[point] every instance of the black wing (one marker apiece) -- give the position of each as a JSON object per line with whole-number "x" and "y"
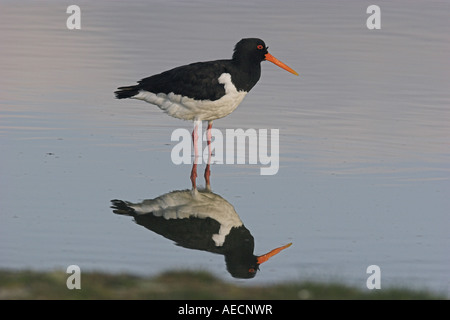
{"x": 197, "y": 81}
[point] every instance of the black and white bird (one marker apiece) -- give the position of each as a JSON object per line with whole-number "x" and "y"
{"x": 200, "y": 220}
{"x": 205, "y": 91}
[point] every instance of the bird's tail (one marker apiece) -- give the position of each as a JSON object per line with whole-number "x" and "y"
{"x": 126, "y": 92}
{"x": 123, "y": 208}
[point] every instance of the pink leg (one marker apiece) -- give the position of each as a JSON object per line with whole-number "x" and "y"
{"x": 208, "y": 166}
{"x": 208, "y": 136}
{"x": 194, "y": 140}
{"x": 194, "y": 166}
{"x": 207, "y": 175}
{"x": 194, "y": 176}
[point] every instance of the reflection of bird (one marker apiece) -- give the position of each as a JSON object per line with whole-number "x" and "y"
{"x": 202, "y": 220}
{"x": 205, "y": 90}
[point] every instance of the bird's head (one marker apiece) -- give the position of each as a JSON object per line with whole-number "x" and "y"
{"x": 254, "y": 50}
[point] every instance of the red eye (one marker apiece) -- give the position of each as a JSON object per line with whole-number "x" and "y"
{"x": 260, "y": 46}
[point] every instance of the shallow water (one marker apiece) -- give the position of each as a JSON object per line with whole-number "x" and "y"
{"x": 364, "y": 137}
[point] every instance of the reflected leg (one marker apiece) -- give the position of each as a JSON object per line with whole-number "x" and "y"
{"x": 194, "y": 176}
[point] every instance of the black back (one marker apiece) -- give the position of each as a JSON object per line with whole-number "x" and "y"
{"x": 198, "y": 80}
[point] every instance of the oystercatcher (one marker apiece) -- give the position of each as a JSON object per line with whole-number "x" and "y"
{"x": 201, "y": 220}
{"x": 205, "y": 91}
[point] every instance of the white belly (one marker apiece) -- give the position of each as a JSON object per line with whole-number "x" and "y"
{"x": 186, "y": 108}
{"x": 184, "y": 204}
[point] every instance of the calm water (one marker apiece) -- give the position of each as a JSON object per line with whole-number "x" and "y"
{"x": 364, "y": 137}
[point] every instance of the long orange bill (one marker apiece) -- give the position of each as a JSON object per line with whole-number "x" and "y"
{"x": 267, "y": 256}
{"x": 272, "y": 59}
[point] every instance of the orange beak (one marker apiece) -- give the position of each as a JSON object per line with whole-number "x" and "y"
{"x": 267, "y": 256}
{"x": 272, "y": 59}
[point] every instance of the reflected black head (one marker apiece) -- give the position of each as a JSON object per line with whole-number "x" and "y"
{"x": 242, "y": 268}
{"x": 238, "y": 251}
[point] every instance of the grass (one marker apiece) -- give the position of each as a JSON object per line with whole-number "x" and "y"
{"x": 181, "y": 285}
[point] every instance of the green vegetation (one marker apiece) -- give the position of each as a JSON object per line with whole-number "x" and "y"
{"x": 179, "y": 285}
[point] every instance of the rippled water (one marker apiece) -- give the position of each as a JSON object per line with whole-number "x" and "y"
{"x": 364, "y": 137}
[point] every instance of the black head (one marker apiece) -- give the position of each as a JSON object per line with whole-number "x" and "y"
{"x": 242, "y": 267}
{"x": 250, "y": 50}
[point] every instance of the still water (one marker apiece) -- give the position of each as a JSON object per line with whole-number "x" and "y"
{"x": 364, "y": 139}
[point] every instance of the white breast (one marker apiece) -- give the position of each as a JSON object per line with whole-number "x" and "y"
{"x": 186, "y": 108}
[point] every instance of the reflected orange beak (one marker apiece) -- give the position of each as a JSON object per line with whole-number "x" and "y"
{"x": 267, "y": 256}
{"x": 272, "y": 59}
